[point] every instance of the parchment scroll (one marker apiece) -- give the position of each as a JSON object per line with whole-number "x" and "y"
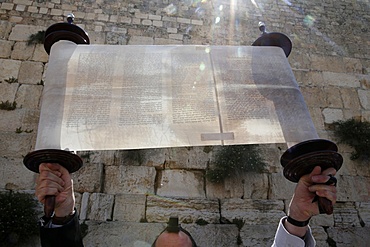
{"x": 100, "y": 97}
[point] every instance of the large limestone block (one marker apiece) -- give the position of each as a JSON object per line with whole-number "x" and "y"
{"x": 122, "y": 234}
{"x": 327, "y": 63}
{"x": 40, "y": 54}
{"x": 5, "y": 29}
{"x": 14, "y": 175}
{"x": 88, "y": 178}
{"x": 352, "y": 188}
{"x": 252, "y": 212}
{"x": 8, "y": 92}
{"x": 5, "y": 48}
{"x": 28, "y": 96}
{"x": 15, "y": 144}
{"x": 22, "y": 51}
{"x": 331, "y": 115}
{"x": 350, "y": 236}
{"x": 23, "y": 32}
{"x": 181, "y": 183}
{"x": 129, "y": 179}
{"x": 258, "y": 235}
{"x": 280, "y": 187}
{"x": 30, "y": 72}
{"x": 129, "y": 207}
{"x": 8, "y": 119}
{"x": 333, "y": 97}
{"x": 9, "y": 68}
{"x": 341, "y": 79}
{"x": 346, "y": 215}
{"x": 350, "y": 98}
{"x": 256, "y": 186}
{"x": 364, "y": 96}
{"x": 230, "y": 188}
{"x": 100, "y": 206}
{"x": 322, "y": 220}
{"x": 313, "y": 96}
{"x": 188, "y": 157}
{"x": 220, "y": 235}
{"x": 159, "y": 209}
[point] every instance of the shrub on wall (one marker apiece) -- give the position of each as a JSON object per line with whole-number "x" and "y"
{"x": 356, "y": 134}
{"x": 234, "y": 160}
{"x": 18, "y": 217}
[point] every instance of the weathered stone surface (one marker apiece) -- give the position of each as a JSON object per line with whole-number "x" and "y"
{"x": 256, "y": 186}
{"x": 350, "y": 98}
{"x": 319, "y": 234}
{"x": 100, "y": 206}
{"x": 352, "y": 188}
{"x": 229, "y": 188}
{"x": 327, "y": 63}
{"x": 30, "y": 72}
{"x": 189, "y": 158}
{"x": 258, "y": 235}
{"x": 13, "y": 144}
{"x": 8, "y": 91}
{"x": 341, "y": 79}
{"x": 129, "y": 179}
{"x": 122, "y": 234}
{"x": 9, "y": 68}
{"x": 159, "y": 209}
{"x": 322, "y": 220}
{"x": 88, "y": 178}
{"x": 40, "y": 54}
{"x": 22, "y": 51}
{"x": 28, "y": 96}
{"x": 23, "y": 32}
{"x": 313, "y": 96}
{"x": 129, "y": 207}
{"x": 5, "y": 29}
{"x": 280, "y": 187}
{"x": 364, "y": 212}
{"x": 181, "y": 183}
{"x": 14, "y": 175}
{"x": 5, "y": 48}
{"x": 364, "y": 96}
{"x": 345, "y": 215}
{"x": 213, "y": 234}
{"x": 331, "y": 115}
{"x": 350, "y": 236}
{"x": 8, "y": 118}
{"x": 253, "y": 212}
{"x": 141, "y": 40}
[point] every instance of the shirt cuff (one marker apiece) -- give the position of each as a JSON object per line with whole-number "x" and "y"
{"x": 284, "y": 238}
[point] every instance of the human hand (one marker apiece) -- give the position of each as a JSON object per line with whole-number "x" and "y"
{"x": 55, "y": 180}
{"x": 302, "y": 206}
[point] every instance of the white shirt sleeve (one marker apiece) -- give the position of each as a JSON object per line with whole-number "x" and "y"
{"x": 284, "y": 239}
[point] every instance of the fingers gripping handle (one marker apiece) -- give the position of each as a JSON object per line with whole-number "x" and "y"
{"x": 49, "y": 206}
{"x": 325, "y": 205}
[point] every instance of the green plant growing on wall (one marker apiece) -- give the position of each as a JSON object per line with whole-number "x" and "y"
{"x": 18, "y": 217}
{"x": 234, "y": 160}
{"x": 8, "y": 106}
{"x": 20, "y": 130}
{"x": 356, "y": 134}
{"x": 37, "y": 38}
{"x": 135, "y": 155}
{"x": 11, "y": 80}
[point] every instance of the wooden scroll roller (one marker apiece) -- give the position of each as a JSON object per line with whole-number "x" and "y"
{"x": 302, "y": 158}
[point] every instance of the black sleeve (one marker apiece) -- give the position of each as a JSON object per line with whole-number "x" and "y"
{"x": 66, "y": 235}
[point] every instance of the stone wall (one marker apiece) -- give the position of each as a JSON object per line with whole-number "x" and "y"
{"x": 125, "y": 197}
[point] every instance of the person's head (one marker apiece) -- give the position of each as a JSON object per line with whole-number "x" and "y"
{"x": 174, "y": 236}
